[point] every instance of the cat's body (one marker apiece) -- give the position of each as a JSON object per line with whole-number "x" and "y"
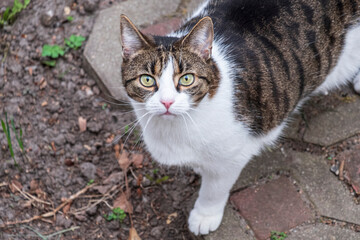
{"x": 260, "y": 63}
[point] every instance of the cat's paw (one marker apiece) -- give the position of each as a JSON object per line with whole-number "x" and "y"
{"x": 203, "y": 224}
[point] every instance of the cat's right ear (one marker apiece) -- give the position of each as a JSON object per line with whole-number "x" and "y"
{"x": 132, "y": 40}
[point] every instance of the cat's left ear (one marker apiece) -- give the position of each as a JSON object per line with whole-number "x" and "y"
{"x": 200, "y": 38}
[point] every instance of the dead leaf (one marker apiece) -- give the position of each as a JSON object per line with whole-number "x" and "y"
{"x": 122, "y": 202}
{"x": 82, "y": 124}
{"x": 114, "y": 178}
{"x": 133, "y": 234}
{"x": 34, "y": 185}
{"x": 44, "y": 103}
{"x": 53, "y": 146}
{"x": 110, "y": 139}
{"x": 117, "y": 151}
{"x": 87, "y": 147}
{"x": 171, "y": 217}
{"x": 17, "y": 184}
{"x": 137, "y": 160}
{"x": 30, "y": 70}
{"x": 124, "y": 161}
{"x": 43, "y": 84}
{"x": 67, "y": 208}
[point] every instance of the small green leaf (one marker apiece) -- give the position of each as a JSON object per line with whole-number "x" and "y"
{"x": 70, "y": 18}
{"x": 50, "y": 63}
{"x": 26, "y": 3}
{"x": 6, "y": 14}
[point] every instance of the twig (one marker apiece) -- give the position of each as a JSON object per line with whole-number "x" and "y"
{"x": 341, "y": 170}
{"x": 53, "y": 212}
{"x": 29, "y": 196}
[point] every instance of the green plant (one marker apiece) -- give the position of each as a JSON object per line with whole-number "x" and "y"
{"x": 10, "y": 13}
{"x": 70, "y": 18}
{"x": 18, "y": 136}
{"x": 278, "y": 235}
{"x": 157, "y": 179}
{"x": 116, "y": 214}
{"x": 56, "y": 51}
{"x": 74, "y": 41}
{"x": 91, "y": 181}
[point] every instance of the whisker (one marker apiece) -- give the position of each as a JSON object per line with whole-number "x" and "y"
{"x": 143, "y": 131}
{"x": 135, "y": 126}
{"x": 197, "y": 127}
{"x": 187, "y": 128}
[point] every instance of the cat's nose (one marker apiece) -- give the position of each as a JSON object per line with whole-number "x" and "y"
{"x": 167, "y": 103}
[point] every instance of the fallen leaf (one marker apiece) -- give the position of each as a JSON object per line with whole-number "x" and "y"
{"x": 30, "y": 70}
{"x": 133, "y": 234}
{"x": 15, "y": 183}
{"x": 43, "y": 84}
{"x": 44, "y": 103}
{"x": 34, "y": 185}
{"x": 53, "y": 146}
{"x": 110, "y": 139}
{"x": 122, "y": 202}
{"x": 87, "y": 147}
{"x": 67, "y": 208}
{"x": 171, "y": 217}
{"x": 82, "y": 124}
{"x": 117, "y": 151}
{"x": 67, "y": 10}
{"x": 137, "y": 160}
{"x": 124, "y": 161}
{"x": 114, "y": 178}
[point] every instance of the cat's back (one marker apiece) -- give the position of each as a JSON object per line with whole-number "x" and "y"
{"x": 282, "y": 50}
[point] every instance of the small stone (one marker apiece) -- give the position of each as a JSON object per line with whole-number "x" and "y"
{"x": 53, "y": 107}
{"x": 62, "y": 221}
{"x": 81, "y": 217}
{"x": 60, "y": 140}
{"x": 95, "y": 127}
{"x": 47, "y": 19}
{"x": 90, "y": 5}
{"x": 91, "y": 211}
{"x": 70, "y": 138}
{"x": 88, "y": 170}
{"x": 96, "y": 90}
{"x": 156, "y": 232}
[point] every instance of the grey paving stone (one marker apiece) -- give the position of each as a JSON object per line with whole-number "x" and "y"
{"x": 232, "y": 227}
{"x": 330, "y": 197}
{"x": 322, "y": 232}
{"x": 335, "y": 124}
{"x": 261, "y": 166}
{"x": 103, "y": 50}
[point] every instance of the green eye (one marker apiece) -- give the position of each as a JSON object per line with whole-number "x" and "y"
{"x": 187, "y": 80}
{"x": 147, "y": 81}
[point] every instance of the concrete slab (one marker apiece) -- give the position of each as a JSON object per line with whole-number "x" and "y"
{"x": 322, "y": 232}
{"x": 330, "y": 196}
{"x": 339, "y": 122}
{"x": 274, "y": 206}
{"x": 352, "y": 166}
{"x": 102, "y": 53}
{"x": 232, "y": 227}
{"x": 261, "y": 166}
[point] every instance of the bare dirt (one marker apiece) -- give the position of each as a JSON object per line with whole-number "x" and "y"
{"x": 46, "y": 103}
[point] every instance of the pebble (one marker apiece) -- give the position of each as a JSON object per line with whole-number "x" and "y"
{"x": 53, "y": 107}
{"x": 70, "y": 138}
{"x": 60, "y": 140}
{"x": 96, "y": 90}
{"x": 90, "y": 5}
{"x": 92, "y": 211}
{"x": 156, "y": 232}
{"x": 88, "y": 170}
{"x": 62, "y": 221}
{"x": 95, "y": 127}
{"x": 47, "y": 19}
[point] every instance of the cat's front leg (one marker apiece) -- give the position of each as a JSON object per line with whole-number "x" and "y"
{"x": 208, "y": 211}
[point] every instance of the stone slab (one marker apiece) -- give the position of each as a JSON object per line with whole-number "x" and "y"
{"x": 265, "y": 164}
{"x": 330, "y": 196}
{"x": 232, "y": 227}
{"x": 274, "y": 206}
{"x": 322, "y": 232}
{"x": 352, "y": 167}
{"x": 337, "y": 123}
{"x": 102, "y": 52}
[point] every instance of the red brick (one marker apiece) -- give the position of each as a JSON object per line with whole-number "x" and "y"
{"x": 274, "y": 206}
{"x": 163, "y": 28}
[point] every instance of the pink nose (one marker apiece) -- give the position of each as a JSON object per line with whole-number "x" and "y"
{"x": 167, "y": 103}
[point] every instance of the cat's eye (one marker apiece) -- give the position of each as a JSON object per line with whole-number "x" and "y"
{"x": 147, "y": 81}
{"x": 187, "y": 80}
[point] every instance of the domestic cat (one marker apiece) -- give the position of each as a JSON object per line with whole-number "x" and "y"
{"x": 216, "y": 92}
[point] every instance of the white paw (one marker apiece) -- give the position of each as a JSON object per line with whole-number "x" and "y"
{"x": 203, "y": 224}
{"x": 357, "y": 84}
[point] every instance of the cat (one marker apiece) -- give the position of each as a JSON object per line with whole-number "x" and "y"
{"x": 213, "y": 94}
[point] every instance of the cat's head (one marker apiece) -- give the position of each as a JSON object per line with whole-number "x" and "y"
{"x": 168, "y": 75}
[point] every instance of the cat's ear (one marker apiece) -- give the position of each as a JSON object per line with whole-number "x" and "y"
{"x": 132, "y": 40}
{"x": 200, "y": 38}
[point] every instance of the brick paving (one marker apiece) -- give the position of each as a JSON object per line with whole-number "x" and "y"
{"x": 274, "y": 206}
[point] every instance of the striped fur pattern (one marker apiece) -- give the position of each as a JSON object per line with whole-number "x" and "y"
{"x": 254, "y": 62}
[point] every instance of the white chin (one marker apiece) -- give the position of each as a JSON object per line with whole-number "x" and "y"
{"x": 168, "y": 116}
